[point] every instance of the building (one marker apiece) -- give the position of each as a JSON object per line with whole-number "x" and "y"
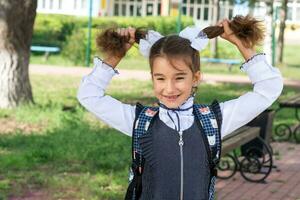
{"x": 200, "y": 10}
{"x": 68, "y": 7}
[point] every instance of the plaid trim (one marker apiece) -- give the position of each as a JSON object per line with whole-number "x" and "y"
{"x": 212, "y": 188}
{"x": 209, "y": 123}
{"x": 141, "y": 127}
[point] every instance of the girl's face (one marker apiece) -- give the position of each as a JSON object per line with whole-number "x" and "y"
{"x": 172, "y": 86}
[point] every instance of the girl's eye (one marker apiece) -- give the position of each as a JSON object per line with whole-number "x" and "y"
{"x": 179, "y": 78}
{"x": 160, "y": 79}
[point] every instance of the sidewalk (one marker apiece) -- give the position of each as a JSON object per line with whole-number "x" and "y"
{"x": 282, "y": 184}
{"x": 143, "y": 75}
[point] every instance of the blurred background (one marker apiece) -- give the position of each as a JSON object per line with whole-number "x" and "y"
{"x": 52, "y": 148}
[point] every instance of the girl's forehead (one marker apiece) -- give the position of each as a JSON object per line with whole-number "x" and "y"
{"x": 164, "y": 65}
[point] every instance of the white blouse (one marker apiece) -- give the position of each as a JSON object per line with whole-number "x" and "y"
{"x": 267, "y": 86}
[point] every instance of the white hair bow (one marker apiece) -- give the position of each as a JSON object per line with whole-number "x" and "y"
{"x": 197, "y": 38}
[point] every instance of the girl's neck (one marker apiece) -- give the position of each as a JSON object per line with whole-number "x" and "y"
{"x": 183, "y": 107}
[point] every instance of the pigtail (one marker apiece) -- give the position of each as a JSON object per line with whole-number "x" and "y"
{"x": 248, "y": 29}
{"x": 110, "y": 42}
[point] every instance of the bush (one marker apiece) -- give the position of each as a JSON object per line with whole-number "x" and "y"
{"x": 53, "y": 30}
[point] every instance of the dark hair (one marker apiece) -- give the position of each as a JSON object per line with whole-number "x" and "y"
{"x": 248, "y": 29}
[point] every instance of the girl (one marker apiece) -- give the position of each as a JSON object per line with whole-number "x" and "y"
{"x": 171, "y": 171}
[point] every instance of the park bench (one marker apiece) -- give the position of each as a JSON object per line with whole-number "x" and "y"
{"x": 45, "y": 49}
{"x": 254, "y": 165}
{"x": 229, "y": 62}
{"x": 284, "y": 131}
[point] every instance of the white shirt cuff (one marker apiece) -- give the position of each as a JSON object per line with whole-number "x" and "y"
{"x": 259, "y": 69}
{"x": 102, "y": 73}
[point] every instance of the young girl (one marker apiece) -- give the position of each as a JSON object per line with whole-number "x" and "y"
{"x": 172, "y": 171}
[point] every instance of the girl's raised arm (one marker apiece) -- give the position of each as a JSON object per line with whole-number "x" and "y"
{"x": 91, "y": 93}
{"x": 267, "y": 86}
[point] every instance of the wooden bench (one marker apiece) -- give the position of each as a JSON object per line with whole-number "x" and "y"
{"x": 229, "y": 62}
{"x": 45, "y": 49}
{"x": 284, "y": 131}
{"x": 255, "y": 165}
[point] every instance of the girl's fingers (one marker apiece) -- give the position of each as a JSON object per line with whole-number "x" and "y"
{"x": 219, "y": 23}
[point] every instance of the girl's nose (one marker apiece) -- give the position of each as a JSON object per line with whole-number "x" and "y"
{"x": 170, "y": 87}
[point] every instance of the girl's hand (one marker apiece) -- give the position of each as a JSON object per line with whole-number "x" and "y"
{"x": 228, "y": 33}
{"x": 231, "y": 37}
{"x": 128, "y": 34}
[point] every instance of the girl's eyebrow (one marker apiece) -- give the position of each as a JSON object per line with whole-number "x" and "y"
{"x": 177, "y": 74}
{"x": 181, "y": 73}
{"x": 157, "y": 74}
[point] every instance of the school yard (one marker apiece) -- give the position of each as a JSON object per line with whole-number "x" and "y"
{"x": 55, "y": 149}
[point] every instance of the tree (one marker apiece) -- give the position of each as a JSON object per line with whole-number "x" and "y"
{"x": 16, "y": 27}
{"x": 283, "y": 17}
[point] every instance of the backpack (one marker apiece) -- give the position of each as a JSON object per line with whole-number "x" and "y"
{"x": 208, "y": 119}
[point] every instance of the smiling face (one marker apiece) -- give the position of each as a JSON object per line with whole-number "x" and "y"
{"x": 173, "y": 84}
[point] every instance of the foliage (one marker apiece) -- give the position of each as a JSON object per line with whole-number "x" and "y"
{"x": 54, "y": 30}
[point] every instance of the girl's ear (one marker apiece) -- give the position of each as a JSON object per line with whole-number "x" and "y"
{"x": 197, "y": 78}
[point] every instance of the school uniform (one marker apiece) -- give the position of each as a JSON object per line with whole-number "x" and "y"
{"x": 160, "y": 177}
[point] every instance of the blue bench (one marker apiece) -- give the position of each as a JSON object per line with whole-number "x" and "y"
{"x": 45, "y": 49}
{"x": 229, "y": 62}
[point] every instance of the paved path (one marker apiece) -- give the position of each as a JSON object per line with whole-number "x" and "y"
{"x": 282, "y": 184}
{"x": 142, "y": 75}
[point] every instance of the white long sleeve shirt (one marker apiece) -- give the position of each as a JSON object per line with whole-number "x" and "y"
{"x": 267, "y": 86}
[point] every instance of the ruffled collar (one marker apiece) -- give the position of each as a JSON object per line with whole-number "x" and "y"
{"x": 177, "y": 117}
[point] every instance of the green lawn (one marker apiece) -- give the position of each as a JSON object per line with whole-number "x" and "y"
{"x": 57, "y": 148}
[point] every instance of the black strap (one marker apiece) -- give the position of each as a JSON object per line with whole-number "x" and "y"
{"x": 135, "y": 187}
{"x": 218, "y": 114}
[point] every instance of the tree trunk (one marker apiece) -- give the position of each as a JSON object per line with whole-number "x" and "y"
{"x": 16, "y": 27}
{"x": 215, "y": 19}
{"x": 283, "y": 16}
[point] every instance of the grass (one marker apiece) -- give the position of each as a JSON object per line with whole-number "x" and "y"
{"x": 72, "y": 155}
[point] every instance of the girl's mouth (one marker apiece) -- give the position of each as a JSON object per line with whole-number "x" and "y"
{"x": 171, "y": 98}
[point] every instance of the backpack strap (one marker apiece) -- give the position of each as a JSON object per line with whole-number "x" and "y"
{"x": 144, "y": 116}
{"x": 210, "y": 119}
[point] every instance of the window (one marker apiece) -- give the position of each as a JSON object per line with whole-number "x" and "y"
{"x": 191, "y": 11}
{"x": 131, "y": 10}
{"x": 83, "y": 4}
{"x": 116, "y": 9}
{"x": 59, "y": 4}
{"x": 44, "y": 4}
{"x": 206, "y": 13}
{"x": 198, "y": 13}
{"x": 159, "y": 9}
{"x": 123, "y": 11}
{"x": 75, "y": 4}
{"x": 139, "y": 9}
{"x": 51, "y": 4}
{"x": 149, "y": 9}
{"x": 184, "y": 10}
{"x": 289, "y": 13}
{"x": 230, "y": 13}
{"x": 298, "y": 14}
